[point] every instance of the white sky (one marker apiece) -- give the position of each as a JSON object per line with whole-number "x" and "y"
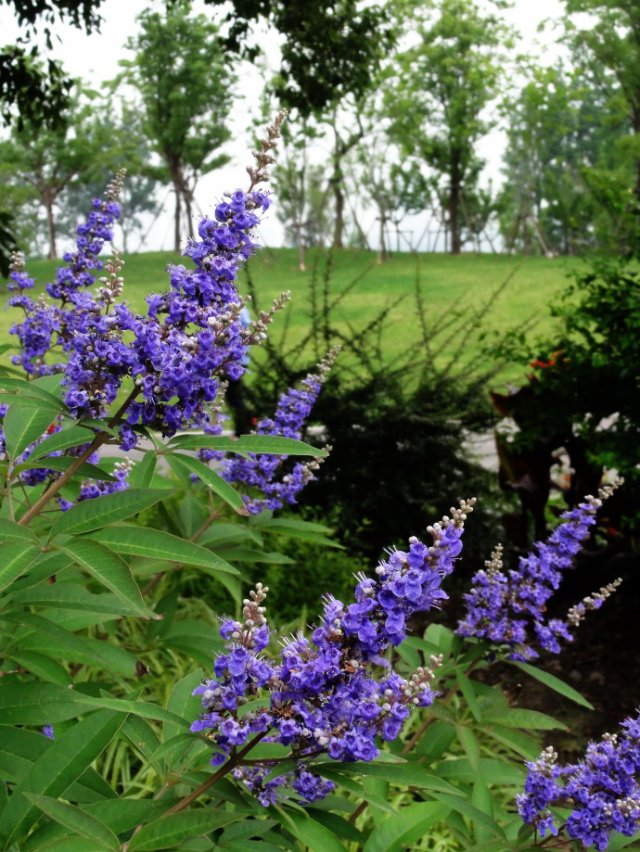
{"x": 95, "y": 58}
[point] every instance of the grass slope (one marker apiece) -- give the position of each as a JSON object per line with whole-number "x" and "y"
{"x": 445, "y": 282}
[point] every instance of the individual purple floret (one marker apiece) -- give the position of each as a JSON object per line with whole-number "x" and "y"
{"x": 332, "y": 693}
{"x": 279, "y": 483}
{"x": 47, "y": 730}
{"x": 602, "y": 791}
{"x": 510, "y": 608}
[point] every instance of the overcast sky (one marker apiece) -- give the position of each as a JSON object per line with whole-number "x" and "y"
{"x": 95, "y": 58}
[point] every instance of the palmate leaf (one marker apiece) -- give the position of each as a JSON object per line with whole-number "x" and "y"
{"x": 59, "y": 766}
{"x": 142, "y": 473}
{"x": 77, "y": 821}
{"x": 108, "y": 509}
{"x": 109, "y": 570}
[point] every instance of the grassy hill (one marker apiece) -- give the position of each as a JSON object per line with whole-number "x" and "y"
{"x": 444, "y": 282}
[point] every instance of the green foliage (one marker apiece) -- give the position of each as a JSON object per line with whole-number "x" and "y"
{"x": 439, "y": 93}
{"x": 568, "y": 165}
{"x": 329, "y": 50}
{"x": 585, "y": 391}
{"x": 183, "y": 76}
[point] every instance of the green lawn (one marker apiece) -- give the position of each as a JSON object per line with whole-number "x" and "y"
{"x": 444, "y": 281}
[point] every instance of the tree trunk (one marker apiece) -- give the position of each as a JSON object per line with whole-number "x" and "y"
{"x": 455, "y": 192}
{"x": 382, "y": 252}
{"x": 48, "y": 199}
{"x": 176, "y": 221}
{"x": 338, "y": 202}
{"x": 187, "y": 195}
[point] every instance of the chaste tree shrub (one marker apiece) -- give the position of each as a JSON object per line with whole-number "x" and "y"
{"x": 129, "y": 722}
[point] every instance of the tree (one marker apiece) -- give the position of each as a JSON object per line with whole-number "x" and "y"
{"x": 606, "y": 47}
{"x": 567, "y": 171}
{"x": 182, "y": 73}
{"x": 328, "y": 49}
{"x": 126, "y": 145}
{"x": 30, "y": 88}
{"x": 437, "y": 98}
{"x": 301, "y": 190}
{"x": 49, "y": 161}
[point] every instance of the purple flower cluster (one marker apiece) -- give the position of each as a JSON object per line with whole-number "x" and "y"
{"x": 602, "y": 791}
{"x": 92, "y": 488}
{"x": 332, "y": 693}
{"x": 279, "y": 483}
{"x": 46, "y": 325}
{"x": 169, "y": 364}
{"x": 510, "y": 608}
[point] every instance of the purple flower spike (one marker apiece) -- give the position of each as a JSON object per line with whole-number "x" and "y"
{"x": 602, "y": 791}
{"x": 510, "y": 608}
{"x": 268, "y": 473}
{"x": 332, "y": 694}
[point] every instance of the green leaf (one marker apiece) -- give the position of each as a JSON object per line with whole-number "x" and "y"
{"x": 462, "y": 806}
{"x": 142, "y": 473}
{"x": 93, "y": 514}
{"x": 59, "y": 641}
{"x": 310, "y": 832}
{"x": 23, "y": 426}
{"x": 183, "y": 703}
{"x": 468, "y": 691}
{"x": 256, "y": 444}
{"x": 527, "y": 719}
{"x": 168, "y": 832}
{"x": 63, "y": 463}
{"x": 213, "y": 480}
{"x": 76, "y": 821}
{"x": 21, "y": 703}
{"x": 394, "y": 833}
{"x": 74, "y": 436}
{"x": 60, "y": 765}
{"x": 32, "y": 389}
{"x": 410, "y": 774}
{"x": 493, "y": 771}
{"x": 23, "y": 402}
{"x": 74, "y": 597}
{"x": 157, "y": 544}
{"x": 470, "y": 744}
{"x": 42, "y": 666}
{"x": 554, "y": 683}
{"x": 520, "y": 742}
{"x": 17, "y": 557}
{"x": 109, "y": 570}
{"x": 9, "y": 530}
